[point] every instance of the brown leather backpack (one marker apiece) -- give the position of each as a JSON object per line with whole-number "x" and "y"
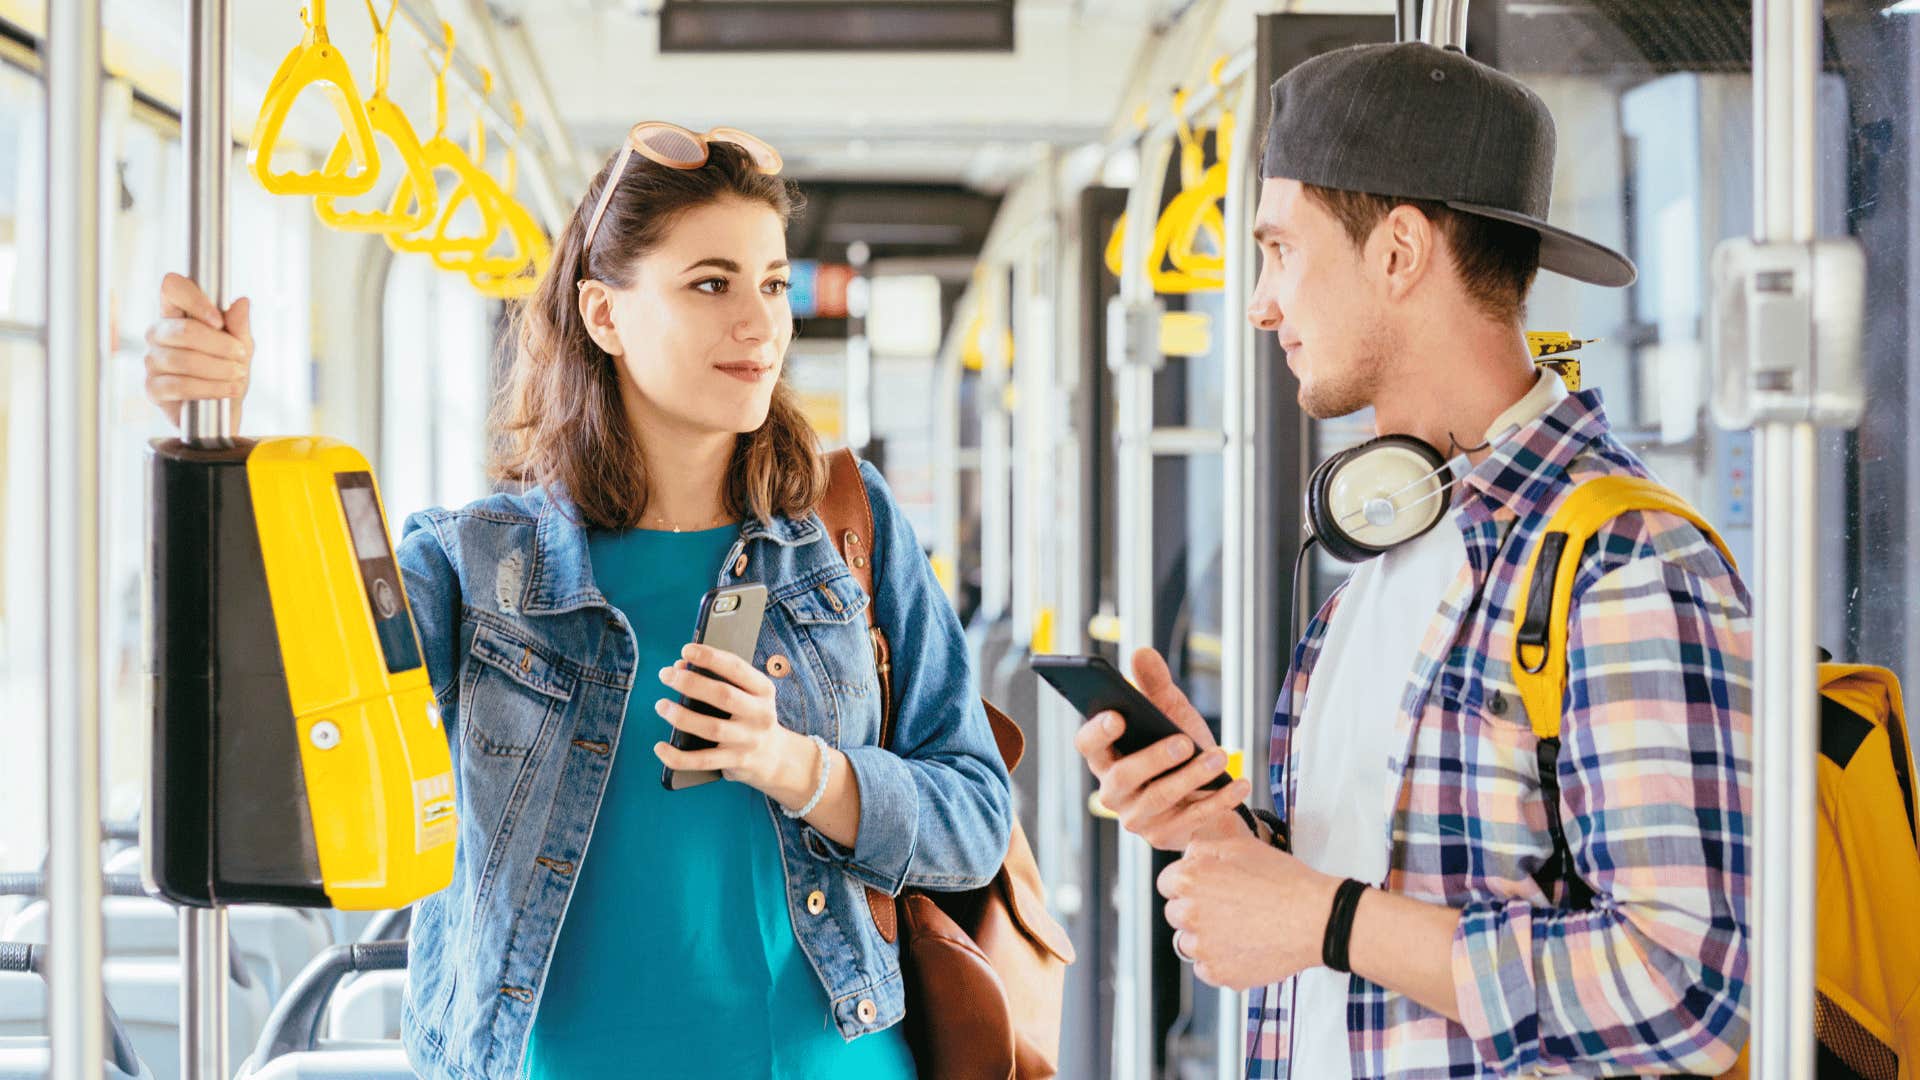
{"x": 985, "y": 969}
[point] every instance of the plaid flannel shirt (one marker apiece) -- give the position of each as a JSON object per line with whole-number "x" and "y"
{"x": 1656, "y": 783}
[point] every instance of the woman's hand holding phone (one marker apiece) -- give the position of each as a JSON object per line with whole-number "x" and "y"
{"x": 750, "y": 745}
{"x": 1168, "y": 810}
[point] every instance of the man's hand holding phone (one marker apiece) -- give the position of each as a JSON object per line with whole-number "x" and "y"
{"x": 1166, "y": 808}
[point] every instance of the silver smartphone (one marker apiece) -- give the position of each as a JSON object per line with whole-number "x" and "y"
{"x": 729, "y": 621}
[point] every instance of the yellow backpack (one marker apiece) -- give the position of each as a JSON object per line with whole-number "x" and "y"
{"x": 1867, "y": 974}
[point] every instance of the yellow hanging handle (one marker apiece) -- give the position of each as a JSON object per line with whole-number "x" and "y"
{"x": 454, "y": 250}
{"x": 1204, "y": 214}
{"x": 442, "y": 153}
{"x": 496, "y": 226}
{"x": 531, "y": 241}
{"x": 315, "y": 62}
{"x": 527, "y": 234}
{"x": 385, "y": 118}
{"x": 1191, "y": 213}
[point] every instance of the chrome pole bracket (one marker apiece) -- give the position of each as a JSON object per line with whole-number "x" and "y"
{"x": 1786, "y": 332}
{"x": 1133, "y": 333}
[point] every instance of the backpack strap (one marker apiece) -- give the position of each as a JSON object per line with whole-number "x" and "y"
{"x": 847, "y": 514}
{"x": 1862, "y": 697}
{"x": 1544, "y": 620}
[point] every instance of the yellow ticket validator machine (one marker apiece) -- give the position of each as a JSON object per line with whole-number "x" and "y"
{"x": 298, "y": 757}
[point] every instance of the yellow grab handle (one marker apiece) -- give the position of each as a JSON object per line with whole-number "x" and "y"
{"x": 516, "y": 224}
{"x": 385, "y": 118}
{"x": 1189, "y": 212}
{"x": 521, "y": 280}
{"x": 1201, "y": 216}
{"x": 315, "y": 62}
{"x": 439, "y": 153}
{"x": 455, "y": 251}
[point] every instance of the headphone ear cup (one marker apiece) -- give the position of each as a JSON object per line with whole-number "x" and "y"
{"x": 1321, "y": 515}
{"x": 1333, "y": 538}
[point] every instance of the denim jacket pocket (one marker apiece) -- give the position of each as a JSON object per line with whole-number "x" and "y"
{"x": 838, "y": 599}
{"x": 830, "y": 618}
{"x": 510, "y": 692}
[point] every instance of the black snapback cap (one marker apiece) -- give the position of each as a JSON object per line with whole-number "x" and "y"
{"x": 1415, "y": 121}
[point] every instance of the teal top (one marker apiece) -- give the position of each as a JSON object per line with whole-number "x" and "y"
{"x": 677, "y": 956}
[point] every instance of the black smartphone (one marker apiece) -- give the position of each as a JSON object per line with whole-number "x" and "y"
{"x": 1093, "y": 686}
{"x": 729, "y": 621}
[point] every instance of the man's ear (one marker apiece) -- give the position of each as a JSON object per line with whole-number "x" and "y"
{"x": 1407, "y": 246}
{"x": 596, "y": 311}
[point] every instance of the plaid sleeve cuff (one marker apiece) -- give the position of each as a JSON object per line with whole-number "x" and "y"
{"x": 1493, "y": 979}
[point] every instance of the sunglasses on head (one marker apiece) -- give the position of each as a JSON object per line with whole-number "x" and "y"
{"x": 676, "y": 148}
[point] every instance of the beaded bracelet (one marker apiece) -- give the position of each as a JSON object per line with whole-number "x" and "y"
{"x": 820, "y": 788}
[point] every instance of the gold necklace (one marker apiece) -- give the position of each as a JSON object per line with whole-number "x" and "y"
{"x": 714, "y": 522}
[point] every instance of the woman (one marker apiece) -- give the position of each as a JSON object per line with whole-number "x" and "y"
{"x": 720, "y": 930}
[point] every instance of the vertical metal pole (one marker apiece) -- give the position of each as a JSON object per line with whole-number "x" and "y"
{"x": 1062, "y": 853}
{"x": 74, "y": 335}
{"x": 858, "y": 375}
{"x": 1786, "y": 36}
{"x": 1444, "y": 23}
{"x": 996, "y": 453}
{"x": 1240, "y": 607}
{"x": 946, "y": 456}
{"x": 1032, "y": 377}
{"x": 209, "y": 145}
{"x": 1134, "y": 1036}
{"x": 1406, "y": 20}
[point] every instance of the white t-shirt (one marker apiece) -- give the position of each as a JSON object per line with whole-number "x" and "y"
{"x": 1347, "y": 734}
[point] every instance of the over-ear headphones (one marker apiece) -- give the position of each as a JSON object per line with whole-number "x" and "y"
{"x": 1370, "y": 498}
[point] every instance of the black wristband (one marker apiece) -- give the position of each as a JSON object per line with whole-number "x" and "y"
{"x": 1346, "y": 901}
{"x": 1276, "y": 828}
{"x": 1247, "y": 815}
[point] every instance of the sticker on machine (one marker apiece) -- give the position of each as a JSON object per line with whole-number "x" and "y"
{"x": 434, "y": 820}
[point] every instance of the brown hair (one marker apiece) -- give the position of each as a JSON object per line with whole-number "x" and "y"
{"x": 561, "y": 423}
{"x": 1497, "y": 260}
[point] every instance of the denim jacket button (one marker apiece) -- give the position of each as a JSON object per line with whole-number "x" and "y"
{"x": 740, "y": 565}
{"x": 865, "y": 1011}
{"x": 816, "y": 902}
{"x": 778, "y": 666}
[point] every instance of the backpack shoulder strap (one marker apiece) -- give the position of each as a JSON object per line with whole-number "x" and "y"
{"x": 1544, "y": 619}
{"x": 847, "y": 514}
{"x": 1546, "y": 604}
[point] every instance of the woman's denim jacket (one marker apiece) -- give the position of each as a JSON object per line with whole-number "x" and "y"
{"x": 532, "y": 669}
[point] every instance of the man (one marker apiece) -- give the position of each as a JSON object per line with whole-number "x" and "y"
{"x": 1401, "y": 223}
